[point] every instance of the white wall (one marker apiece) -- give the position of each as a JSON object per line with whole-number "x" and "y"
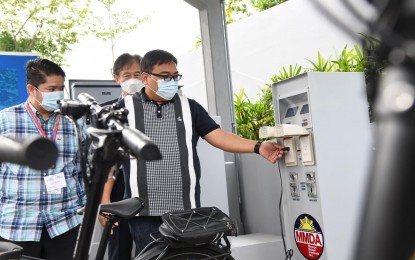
{"x": 259, "y": 46}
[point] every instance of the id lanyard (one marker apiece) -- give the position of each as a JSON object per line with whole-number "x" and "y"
{"x": 39, "y": 126}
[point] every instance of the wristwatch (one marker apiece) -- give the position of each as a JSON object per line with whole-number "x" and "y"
{"x": 256, "y": 148}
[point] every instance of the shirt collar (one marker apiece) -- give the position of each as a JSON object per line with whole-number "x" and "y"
{"x": 32, "y": 107}
{"x": 36, "y": 112}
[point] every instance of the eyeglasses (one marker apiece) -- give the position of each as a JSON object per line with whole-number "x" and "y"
{"x": 175, "y": 77}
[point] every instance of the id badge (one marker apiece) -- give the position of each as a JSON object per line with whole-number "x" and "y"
{"x": 55, "y": 183}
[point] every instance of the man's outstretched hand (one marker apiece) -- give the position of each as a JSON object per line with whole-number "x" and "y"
{"x": 272, "y": 151}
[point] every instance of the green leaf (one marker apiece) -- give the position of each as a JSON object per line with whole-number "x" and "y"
{"x": 46, "y": 27}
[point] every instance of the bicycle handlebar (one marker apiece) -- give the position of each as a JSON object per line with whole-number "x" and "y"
{"x": 103, "y": 118}
{"x": 139, "y": 144}
{"x": 37, "y": 153}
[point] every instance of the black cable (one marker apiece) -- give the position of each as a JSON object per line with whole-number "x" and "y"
{"x": 288, "y": 253}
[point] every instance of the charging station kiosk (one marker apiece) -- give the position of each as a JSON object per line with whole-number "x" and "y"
{"x": 323, "y": 118}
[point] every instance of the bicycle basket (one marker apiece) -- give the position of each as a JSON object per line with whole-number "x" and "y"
{"x": 196, "y": 226}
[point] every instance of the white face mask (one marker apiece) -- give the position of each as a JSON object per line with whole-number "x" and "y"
{"x": 132, "y": 85}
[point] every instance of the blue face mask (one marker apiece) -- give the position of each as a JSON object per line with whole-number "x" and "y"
{"x": 167, "y": 89}
{"x": 50, "y": 100}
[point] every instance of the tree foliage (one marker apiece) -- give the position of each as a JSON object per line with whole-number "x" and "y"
{"x": 48, "y": 27}
{"x": 261, "y": 5}
{"x": 115, "y": 25}
{"x": 238, "y": 9}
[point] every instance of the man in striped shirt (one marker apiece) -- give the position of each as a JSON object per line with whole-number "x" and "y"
{"x": 38, "y": 207}
{"x": 174, "y": 123}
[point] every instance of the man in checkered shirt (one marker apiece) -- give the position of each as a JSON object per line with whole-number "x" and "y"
{"x": 38, "y": 207}
{"x": 174, "y": 123}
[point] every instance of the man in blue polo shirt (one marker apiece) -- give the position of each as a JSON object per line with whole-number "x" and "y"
{"x": 174, "y": 123}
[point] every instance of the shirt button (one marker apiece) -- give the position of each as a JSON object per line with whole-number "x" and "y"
{"x": 158, "y": 111}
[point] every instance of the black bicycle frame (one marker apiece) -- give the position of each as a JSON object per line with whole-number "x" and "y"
{"x": 105, "y": 157}
{"x": 112, "y": 141}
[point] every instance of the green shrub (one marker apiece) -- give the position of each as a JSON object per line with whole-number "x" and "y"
{"x": 250, "y": 114}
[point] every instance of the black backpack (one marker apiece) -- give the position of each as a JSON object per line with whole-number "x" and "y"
{"x": 196, "y": 226}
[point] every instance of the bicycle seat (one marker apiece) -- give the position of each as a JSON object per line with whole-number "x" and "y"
{"x": 125, "y": 209}
{"x": 8, "y": 250}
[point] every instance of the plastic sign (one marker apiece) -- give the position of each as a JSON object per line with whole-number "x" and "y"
{"x": 308, "y": 237}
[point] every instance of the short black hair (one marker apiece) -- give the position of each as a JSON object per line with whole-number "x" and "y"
{"x": 125, "y": 59}
{"x": 156, "y": 57}
{"x": 38, "y": 69}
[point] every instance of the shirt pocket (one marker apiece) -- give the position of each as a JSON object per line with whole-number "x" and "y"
{"x": 74, "y": 182}
{"x": 16, "y": 181}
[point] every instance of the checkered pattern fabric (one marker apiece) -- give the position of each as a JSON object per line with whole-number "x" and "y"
{"x": 164, "y": 178}
{"x": 171, "y": 183}
{"x": 25, "y": 205}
